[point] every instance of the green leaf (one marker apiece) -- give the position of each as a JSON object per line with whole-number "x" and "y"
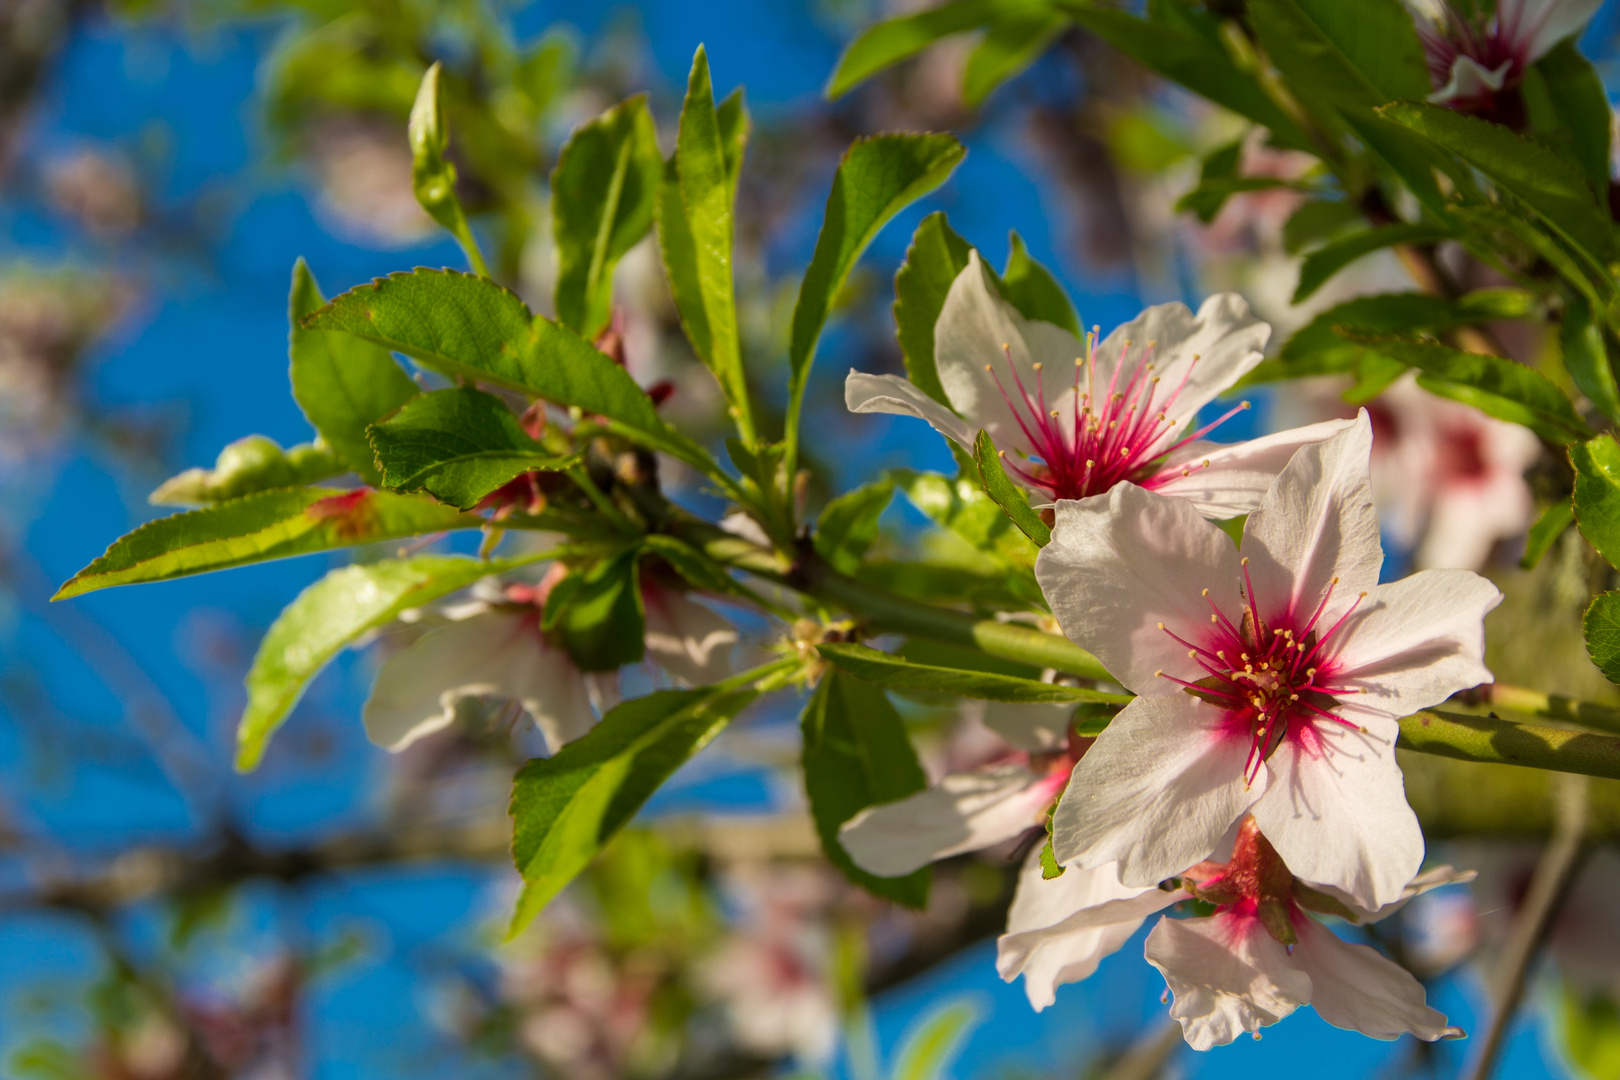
{"x": 894, "y": 40}
{"x": 849, "y": 524}
{"x": 1013, "y": 42}
{"x": 1597, "y": 494}
{"x": 1539, "y": 177}
{"x": 1602, "y": 628}
{"x": 879, "y": 176}
{"x": 1589, "y": 1029}
{"x": 1209, "y": 196}
{"x": 1586, "y": 357}
{"x": 962, "y": 506}
{"x": 470, "y": 327}
{"x": 1319, "y": 348}
{"x": 598, "y": 615}
{"x": 1012, "y": 499}
{"x": 1031, "y": 288}
{"x": 1335, "y": 255}
{"x": 1317, "y": 220}
{"x": 696, "y": 229}
{"x": 1498, "y": 386}
{"x": 896, "y": 673}
{"x": 856, "y": 755}
{"x": 432, "y": 174}
{"x": 700, "y": 571}
{"x": 602, "y": 195}
{"x": 1569, "y": 109}
{"x": 1351, "y": 55}
{"x": 935, "y": 1041}
{"x": 458, "y": 445}
{"x": 1050, "y": 867}
{"x": 1545, "y": 532}
{"x": 256, "y": 528}
{"x": 343, "y": 384}
{"x": 565, "y": 808}
{"x": 246, "y": 466}
{"x": 1190, "y": 53}
{"x": 331, "y": 614}
{"x": 934, "y": 259}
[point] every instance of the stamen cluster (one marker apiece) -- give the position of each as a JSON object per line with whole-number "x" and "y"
{"x": 1101, "y": 439}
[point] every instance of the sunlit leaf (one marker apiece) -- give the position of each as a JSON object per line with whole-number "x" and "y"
{"x": 1008, "y": 495}
{"x": 246, "y": 466}
{"x": 1597, "y": 494}
{"x": 849, "y": 524}
{"x": 897, "y": 673}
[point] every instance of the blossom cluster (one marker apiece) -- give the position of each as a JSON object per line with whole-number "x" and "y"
{"x": 1254, "y": 771}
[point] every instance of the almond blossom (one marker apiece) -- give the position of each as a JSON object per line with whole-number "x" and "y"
{"x": 1474, "y": 57}
{"x": 494, "y": 647}
{"x": 1256, "y": 959}
{"x": 1270, "y": 683}
{"x": 1084, "y": 416}
{"x": 974, "y": 809}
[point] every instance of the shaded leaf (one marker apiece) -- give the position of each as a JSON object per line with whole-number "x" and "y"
{"x": 1586, "y": 357}
{"x": 1545, "y": 532}
{"x": 856, "y": 754}
{"x": 1317, "y": 219}
{"x": 256, "y": 528}
{"x": 934, "y": 259}
{"x": 598, "y": 616}
{"x": 1335, "y": 255}
{"x": 897, "y": 673}
{"x": 565, "y": 808}
{"x": 1597, "y": 494}
{"x": 1013, "y": 42}
{"x": 1602, "y": 628}
{"x": 1569, "y": 109}
{"x": 1031, "y": 288}
{"x": 894, "y": 40}
{"x": 1012, "y": 499}
{"x": 849, "y": 524}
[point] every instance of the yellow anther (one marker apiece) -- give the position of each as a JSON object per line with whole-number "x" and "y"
{"x": 1243, "y": 405}
{"x": 1204, "y": 593}
{"x": 1245, "y": 560}
{"x": 1158, "y": 674}
{"x": 987, "y": 367}
{"x": 1036, "y": 365}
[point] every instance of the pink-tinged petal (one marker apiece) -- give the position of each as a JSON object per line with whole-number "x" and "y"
{"x": 1224, "y": 481}
{"x": 1195, "y": 357}
{"x": 977, "y": 330}
{"x": 1317, "y": 523}
{"x": 1059, "y": 930}
{"x": 492, "y": 653}
{"x": 1355, "y": 988}
{"x": 1157, "y": 791}
{"x": 1034, "y": 729}
{"x": 1538, "y": 25}
{"x": 1470, "y": 79}
{"x": 865, "y": 393}
{"x": 965, "y": 811}
{"x": 1228, "y": 976}
{"x": 1412, "y": 643}
{"x": 1335, "y": 809}
{"x": 1120, "y": 564}
{"x": 690, "y": 641}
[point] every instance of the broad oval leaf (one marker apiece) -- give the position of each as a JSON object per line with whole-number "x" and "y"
{"x": 856, "y": 754}
{"x": 1569, "y": 109}
{"x": 598, "y": 614}
{"x": 1597, "y": 494}
{"x": 257, "y": 528}
{"x": 886, "y": 669}
{"x": 603, "y": 191}
{"x": 468, "y": 326}
{"x": 849, "y": 524}
{"x": 963, "y": 507}
{"x": 565, "y": 808}
{"x": 344, "y": 384}
{"x": 1602, "y": 628}
{"x": 879, "y": 176}
{"x": 458, "y": 445}
{"x": 331, "y": 614}
{"x": 248, "y": 465}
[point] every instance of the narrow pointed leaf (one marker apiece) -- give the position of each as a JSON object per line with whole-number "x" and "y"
{"x": 1032, "y": 289}
{"x": 897, "y": 673}
{"x": 343, "y": 383}
{"x": 330, "y": 615}
{"x": 1012, "y": 43}
{"x": 565, "y": 808}
{"x": 1597, "y": 494}
{"x": 934, "y": 259}
{"x": 247, "y": 466}
{"x": 256, "y": 528}
{"x": 1008, "y": 495}
{"x": 894, "y": 40}
{"x": 1545, "y": 532}
{"x": 458, "y": 445}
{"x": 1569, "y": 110}
{"x": 1335, "y": 255}
{"x": 1586, "y": 357}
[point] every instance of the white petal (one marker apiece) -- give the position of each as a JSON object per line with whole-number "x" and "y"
{"x": 1058, "y": 931}
{"x": 1441, "y": 875}
{"x": 965, "y": 811}
{"x": 1157, "y": 791}
{"x": 1356, "y": 988}
{"x": 1316, "y": 523}
{"x": 1210, "y": 351}
{"x": 1335, "y": 809}
{"x": 1537, "y": 25}
{"x": 1223, "y": 481}
{"x": 975, "y": 326}
{"x": 1228, "y": 976}
{"x": 1413, "y": 643}
{"x": 1031, "y": 728}
{"x": 1120, "y": 564}
{"x": 865, "y": 393}
{"x": 1470, "y": 79}
{"x": 690, "y": 641}
{"x": 493, "y": 653}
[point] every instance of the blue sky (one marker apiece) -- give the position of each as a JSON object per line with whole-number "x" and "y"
{"x": 212, "y": 348}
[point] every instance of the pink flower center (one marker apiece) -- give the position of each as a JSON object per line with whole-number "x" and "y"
{"x": 1268, "y": 675}
{"x": 1104, "y": 438}
{"x": 1503, "y": 37}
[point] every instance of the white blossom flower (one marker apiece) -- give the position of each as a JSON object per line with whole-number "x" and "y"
{"x": 1269, "y": 684}
{"x": 1472, "y": 58}
{"x": 974, "y": 809}
{"x": 690, "y": 641}
{"x": 1259, "y": 957}
{"x": 1087, "y": 416}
